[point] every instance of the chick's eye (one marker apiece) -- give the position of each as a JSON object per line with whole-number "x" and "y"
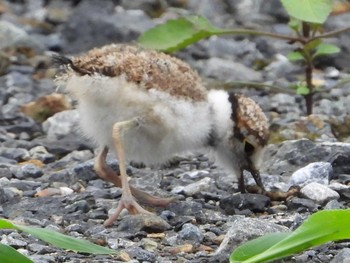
{"x": 248, "y": 148}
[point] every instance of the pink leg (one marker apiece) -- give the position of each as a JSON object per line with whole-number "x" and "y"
{"x": 107, "y": 174}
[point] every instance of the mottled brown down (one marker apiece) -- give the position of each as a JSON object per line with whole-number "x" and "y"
{"x": 149, "y": 69}
{"x": 251, "y": 118}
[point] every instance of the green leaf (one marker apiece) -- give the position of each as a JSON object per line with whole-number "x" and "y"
{"x": 319, "y": 228}
{"x": 6, "y": 224}
{"x": 59, "y": 240}
{"x": 11, "y": 255}
{"x": 66, "y": 242}
{"x": 179, "y": 33}
{"x": 313, "y": 44}
{"x": 295, "y": 56}
{"x": 256, "y": 246}
{"x": 302, "y": 90}
{"x": 326, "y": 49}
{"x": 314, "y": 11}
{"x": 294, "y": 23}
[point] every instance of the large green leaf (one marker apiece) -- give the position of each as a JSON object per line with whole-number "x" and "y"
{"x": 314, "y": 11}
{"x": 178, "y": 33}
{"x": 10, "y": 255}
{"x": 256, "y": 246}
{"x": 59, "y": 240}
{"x": 319, "y": 228}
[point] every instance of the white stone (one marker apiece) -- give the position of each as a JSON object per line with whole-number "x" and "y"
{"x": 193, "y": 188}
{"x": 319, "y": 193}
{"x": 319, "y": 172}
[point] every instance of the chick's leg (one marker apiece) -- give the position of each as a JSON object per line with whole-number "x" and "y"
{"x": 106, "y": 173}
{"x": 127, "y": 201}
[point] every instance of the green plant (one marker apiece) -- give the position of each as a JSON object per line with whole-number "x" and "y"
{"x": 319, "y": 228}
{"x": 306, "y": 19}
{"x": 10, "y": 255}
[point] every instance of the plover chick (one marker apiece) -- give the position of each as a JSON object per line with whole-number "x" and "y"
{"x": 148, "y": 106}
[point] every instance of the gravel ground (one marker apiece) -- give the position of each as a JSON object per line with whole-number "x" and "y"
{"x": 46, "y": 175}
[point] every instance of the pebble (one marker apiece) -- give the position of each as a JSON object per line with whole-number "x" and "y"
{"x": 13, "y": 239}
{"x": 40, "y": 249}
{"x": 191, "y": 233}
{"x": 149, "y": 244}
{"x": 302, "y": 205}
{"x": 333, "y": 204}
{"x": 5, "y": 171}
{"x": 319, "y": 172}
{"x": 194, "y": 188}
{"x": 27, "y": 170}
{"x": 12, "y": 35}
{"x": 243, "y": 229}
{"x": 81, "y": 205}
{"x": 61, "y": 124}
{"x": 17, "y": 154}
{"x": 41, "y": 153}
{"x": 140, "y": 254}
{"x": 149, "y": 223}
{"x": 253, "y": 202}
{"x": 342, "y": 257}
{"x": 187, "y": 208}
{"x": 318, "y": 193}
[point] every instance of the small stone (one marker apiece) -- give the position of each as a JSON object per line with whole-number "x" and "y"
{"x": 339, "y": 187}
{"x": 252, "y": 202}
{"x": 5, "y": 171}
{"x": 85, "y": 171}
{"x": 40, "y": 249}
{"x": 17, "y": 154}
{"x": 43, "y": 258}
{"x": 332, "y": 72}
{"x": 342, "y": 257}
{"x": 301, "y": 204}
{"x": 30, "y": 170}
{"x": 319, "y": 193}
{"x": 14, "y": 240}
{"x": 75, "y": 228}
{"x": 41, "y": 153}
{"x": 13, "y": 35}
{"x": 140, "y": 254}
{"x": 192, "y": 233}
{"x": 12, "y": 192}
{"x": 280, "y": 208}
{"x": 185, "y": 248}
{"x": 186, "y": 208}
{"x": 194, "y": 188}
{"x": 242, "y": 230}
{"x": 81, "y": 205}
{"x": 148, "y": 244}
{"x": 61, "y": 124}
{"x": 333, "y": 204}
{"x": 149, "y": 223}
{"x": 167, "y": 215}
{"x": 320, "y": 172}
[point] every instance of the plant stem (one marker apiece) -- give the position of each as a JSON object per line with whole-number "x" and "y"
{"x": 332, "y": 33}
{"x": 258, "y": 85}
{"x": 260, "y": 33}
{"x": 303, "y": 40}
{"x": 308, "y": 71}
